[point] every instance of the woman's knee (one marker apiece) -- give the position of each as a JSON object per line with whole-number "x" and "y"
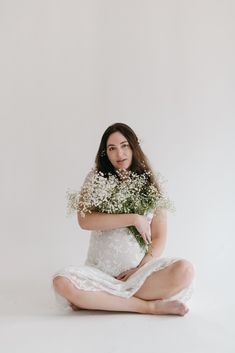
{"x": 183, "y": 273}
{"x": 61, "y": 285}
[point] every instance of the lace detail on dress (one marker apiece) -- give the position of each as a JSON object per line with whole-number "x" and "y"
{"x": 110, "y": 253}
{"x": 114, "y": 251}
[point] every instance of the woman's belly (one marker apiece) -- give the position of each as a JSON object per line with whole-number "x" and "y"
{"x": 114, "y": 251}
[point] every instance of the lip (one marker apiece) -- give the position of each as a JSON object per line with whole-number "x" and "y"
{"x": 123, "y": 160}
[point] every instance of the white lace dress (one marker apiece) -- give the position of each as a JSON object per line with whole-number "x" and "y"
{"x": 110, "y": 253}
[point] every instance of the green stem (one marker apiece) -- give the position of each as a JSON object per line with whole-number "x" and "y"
{"x": 139, "y": 238}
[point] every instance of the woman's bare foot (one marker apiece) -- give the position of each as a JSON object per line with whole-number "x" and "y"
{"x": 174, "y": 307}
{"x": 74, "y": 307}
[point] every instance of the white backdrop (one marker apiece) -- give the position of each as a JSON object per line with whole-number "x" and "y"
{"x": 69, "y": 70}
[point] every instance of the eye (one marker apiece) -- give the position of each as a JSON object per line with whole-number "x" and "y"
{"x": 111, "y": 148}
{"x": 125, "y": 145}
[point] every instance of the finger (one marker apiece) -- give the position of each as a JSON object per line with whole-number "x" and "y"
{"x": 145, "y": 239}
{"x": 120, "y": 277}
{"x": 143, "y": 236}
{"x": 120, "y": 274}
{"x": 148, "y": 236}
{"x": 127, "y": 276}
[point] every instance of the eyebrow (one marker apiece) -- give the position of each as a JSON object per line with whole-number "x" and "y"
{"x": 115, "y": 145}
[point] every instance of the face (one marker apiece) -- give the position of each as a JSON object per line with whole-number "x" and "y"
{"x": 119, "y": 151}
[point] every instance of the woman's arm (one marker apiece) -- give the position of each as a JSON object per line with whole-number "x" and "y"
{"x": 159, "y": 235}
{"x": 104, "y": 221}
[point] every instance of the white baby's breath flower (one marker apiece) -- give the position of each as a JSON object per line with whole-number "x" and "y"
{"x": 126, "y": 192}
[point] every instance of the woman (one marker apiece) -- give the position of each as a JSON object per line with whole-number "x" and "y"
{"x": 118, "y": 275}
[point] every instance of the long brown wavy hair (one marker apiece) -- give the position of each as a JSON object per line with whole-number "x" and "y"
{"x": 140, "y": 163}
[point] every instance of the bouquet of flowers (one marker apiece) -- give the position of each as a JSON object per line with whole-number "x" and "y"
{"x": 126, "y": 192}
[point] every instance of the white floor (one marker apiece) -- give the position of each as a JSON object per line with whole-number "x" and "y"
{"x": 30, "y": 322}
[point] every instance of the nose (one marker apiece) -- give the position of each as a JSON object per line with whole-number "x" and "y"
{"x": 119, "y": 153}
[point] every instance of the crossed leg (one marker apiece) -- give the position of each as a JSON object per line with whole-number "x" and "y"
{"x": 167, "y": 282}
{"x": 147, "y": 300}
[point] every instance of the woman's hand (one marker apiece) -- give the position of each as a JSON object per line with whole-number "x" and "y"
{"x": 126, "y": 274}
{"x": 142, "y": 224}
